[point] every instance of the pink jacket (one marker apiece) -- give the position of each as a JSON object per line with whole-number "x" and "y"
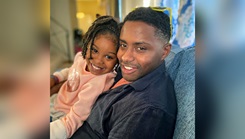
{"x": 78, "y": 94}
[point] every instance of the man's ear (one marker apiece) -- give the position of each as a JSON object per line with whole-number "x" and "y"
{"x": 166, "y": 50}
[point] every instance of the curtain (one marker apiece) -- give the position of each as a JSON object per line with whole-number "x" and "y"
{"x": 183, "y": 22}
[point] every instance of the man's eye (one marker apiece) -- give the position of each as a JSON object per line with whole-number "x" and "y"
{"x": 141, "y": 48}
{"x": 123, "y": 45}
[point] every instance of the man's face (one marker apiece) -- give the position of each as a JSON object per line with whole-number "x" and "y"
{"x": 140, "y": 51}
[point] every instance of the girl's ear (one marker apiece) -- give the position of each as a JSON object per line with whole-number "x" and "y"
{"x": 166, "y": 50}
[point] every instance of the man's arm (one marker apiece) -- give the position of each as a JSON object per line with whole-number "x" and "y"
{"x": 86, "y": 132}
{"x": 55, "y": 89}
{"x": 144, "y": 124}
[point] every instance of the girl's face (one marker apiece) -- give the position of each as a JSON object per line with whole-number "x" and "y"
{"x": 104, "y": 55}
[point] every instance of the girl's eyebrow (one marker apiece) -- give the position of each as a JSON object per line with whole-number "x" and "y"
{"x": 108, "y": 52}
{"x": 112, "y": 53}
{"x": 95, "y": 46}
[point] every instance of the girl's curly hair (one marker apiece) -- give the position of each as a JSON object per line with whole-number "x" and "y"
{"x": 103, "y": 25}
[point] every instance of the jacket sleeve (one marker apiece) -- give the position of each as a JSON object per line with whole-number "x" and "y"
{"x": 62, "y": 75}
{"x": 80, "y": 111}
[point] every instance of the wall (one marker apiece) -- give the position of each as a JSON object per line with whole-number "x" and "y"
{"x": 89, "y": 8}
{"x": 62, "y": 24}
{"x": 120, "y": 8}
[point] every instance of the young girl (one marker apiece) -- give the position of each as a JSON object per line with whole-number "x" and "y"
{"x": 91, "y": 74}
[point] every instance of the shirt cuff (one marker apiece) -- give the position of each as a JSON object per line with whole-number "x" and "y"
{"x": 57, "y": 130}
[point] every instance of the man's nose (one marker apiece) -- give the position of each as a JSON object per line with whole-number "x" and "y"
{"x": 128, "y": 56}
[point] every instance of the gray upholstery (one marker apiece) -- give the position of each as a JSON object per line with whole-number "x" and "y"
{"x": 182, "y": 72}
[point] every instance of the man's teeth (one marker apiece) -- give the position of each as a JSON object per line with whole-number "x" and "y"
{"x": 128, "y": 68}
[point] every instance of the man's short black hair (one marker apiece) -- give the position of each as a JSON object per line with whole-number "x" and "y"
{"x": 159, "y": 20}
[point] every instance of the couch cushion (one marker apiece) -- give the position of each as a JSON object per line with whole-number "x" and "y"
{"x": 182, "y": 72}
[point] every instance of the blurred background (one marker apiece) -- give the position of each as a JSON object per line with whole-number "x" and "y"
{"x": 24, "y": 68}
{"x": 220, "y": 66}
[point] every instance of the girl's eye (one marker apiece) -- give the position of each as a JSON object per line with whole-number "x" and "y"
{"x": 94, "y": 50}
{"x": 108, "y": 57}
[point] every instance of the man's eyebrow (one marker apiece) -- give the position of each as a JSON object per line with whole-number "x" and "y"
{"x": 123, "y": 41}
{"x": 136, "y": 43}
{"x": 139, "y": 43}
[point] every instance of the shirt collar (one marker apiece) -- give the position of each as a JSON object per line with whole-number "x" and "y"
{"x": 144, "y": 81}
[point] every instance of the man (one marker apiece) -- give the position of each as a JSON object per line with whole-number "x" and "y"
{"x": 142, "y": 104}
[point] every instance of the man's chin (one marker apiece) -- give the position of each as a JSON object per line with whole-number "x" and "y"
{"x": 129, "y": 78}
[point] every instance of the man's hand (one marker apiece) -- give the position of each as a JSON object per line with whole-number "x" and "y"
{"x": 52, "y": 82}
{"x": 55, "y": 88}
